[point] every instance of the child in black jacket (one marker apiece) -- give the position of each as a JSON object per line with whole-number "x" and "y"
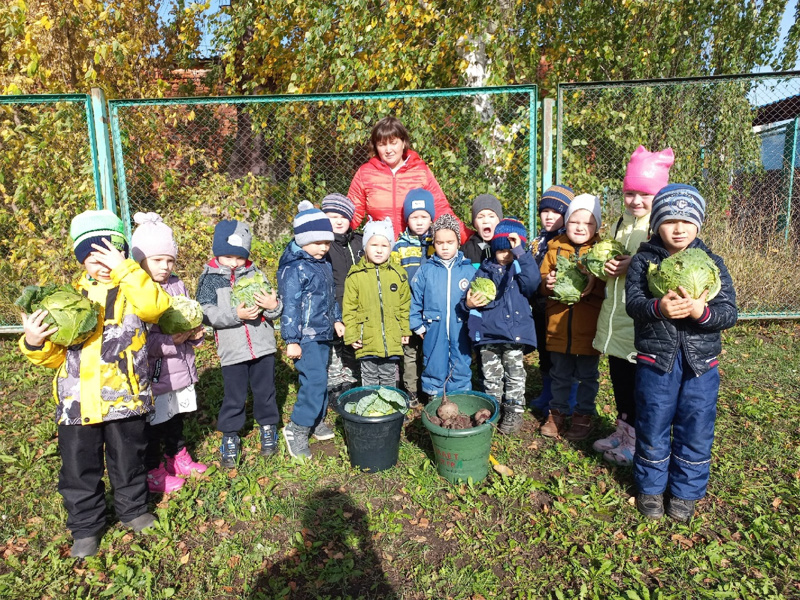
{"x": 678, "y": 341}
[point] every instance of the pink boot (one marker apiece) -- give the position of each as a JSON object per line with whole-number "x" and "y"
{"x": 161, "y": 482}
{"x": 182, "y": 465}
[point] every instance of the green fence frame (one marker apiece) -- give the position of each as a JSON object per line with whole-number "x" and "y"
{"x": 792, "y": 131}
{"x": 115, "y": 105}
{"x": 86, "y": 100}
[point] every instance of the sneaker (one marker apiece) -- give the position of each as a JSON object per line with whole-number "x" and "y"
{"x": 554, "y": 424}
{"x": 182, "y": 465}
{"x": 83, "y": 547}
{"x": 269, "y": 439}
{"x": 322, "y": 432}
{"x": 297, "y": 440}
{"x": 612, "y": 441}
{"x": 229, "y": 451}
{"x": 680, "y": 510}
{"x": 511, "y": 421}
{"x": 623, "y": 454}
{"x": 161, "y": 482}
{"x": 579, "y": 429}
{"x": 142, "y": 522}
{"x": 651, "y": 506}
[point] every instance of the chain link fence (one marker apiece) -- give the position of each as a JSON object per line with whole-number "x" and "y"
{"x": 735, "y": 139}
{"x": 48, "y": 173}
{"x": 198, "y": 160}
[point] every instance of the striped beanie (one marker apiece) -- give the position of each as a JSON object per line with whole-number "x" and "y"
{"x": 678, "y": 201}
{"x": 339, "y": 204}
{"x": 311, "y": 225}
{"x": 91, "y": 227}
{"x": 232, "y": 238}
{"x": 557, "y": 198}
{"x": 505, "y": 227}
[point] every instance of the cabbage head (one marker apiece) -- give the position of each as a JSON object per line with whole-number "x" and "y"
{"x": 597, "y": 256}
{"x": 692, "y": 268}
{"x": 73, "y": 313}
{"x": 379, "y": 403}
{"x": 245, "y": 288}
{"x": 184, "y": 314}
{"x": 570, "y": 282}
{"x": 484, "y": 286}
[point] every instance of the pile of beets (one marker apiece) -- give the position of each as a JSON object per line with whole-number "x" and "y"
{"x": 449, "y": 417}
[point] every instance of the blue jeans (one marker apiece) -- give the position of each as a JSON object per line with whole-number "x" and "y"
{"x": 312, "y": 394}
{"x": 568, "y": 368}
{"x": 687, "y": 405}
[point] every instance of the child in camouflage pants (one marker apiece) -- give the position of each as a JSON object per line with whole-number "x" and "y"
{"x": 502, "y": 328}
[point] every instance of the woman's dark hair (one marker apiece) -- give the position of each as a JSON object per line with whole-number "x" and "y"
{"x": 386, "y": 129}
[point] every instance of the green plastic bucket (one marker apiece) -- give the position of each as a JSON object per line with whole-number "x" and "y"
{"x": 462, "y": 453}
{"x": 373, "y": 443}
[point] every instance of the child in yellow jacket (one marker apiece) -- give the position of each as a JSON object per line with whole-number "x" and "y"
{"x": 102, "y": 386}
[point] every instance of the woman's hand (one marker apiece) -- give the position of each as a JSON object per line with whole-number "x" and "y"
{"x": 36, "y": 331}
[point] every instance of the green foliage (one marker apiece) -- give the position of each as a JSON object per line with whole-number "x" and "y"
{"x": 570, "y": 281}
{"x": 693, "y": 269}
{"x": 184, "y": 314}
{"x": 70, "y": 311}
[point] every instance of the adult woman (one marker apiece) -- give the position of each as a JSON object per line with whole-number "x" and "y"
{"x": 380, "y": 185}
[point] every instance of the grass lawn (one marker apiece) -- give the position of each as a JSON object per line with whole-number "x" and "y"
{"x": 563, "y": 526}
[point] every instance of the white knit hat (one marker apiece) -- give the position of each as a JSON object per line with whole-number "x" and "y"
{"x": 585, "y": 202}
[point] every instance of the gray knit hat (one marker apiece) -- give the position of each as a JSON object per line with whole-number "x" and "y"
{"x": 447, "y": 221}
{"x": 678, "y": 201}
{"x": 339, "y": 204}
{"x": 487, "y": 202}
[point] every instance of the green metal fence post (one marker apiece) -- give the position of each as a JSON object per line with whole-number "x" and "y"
{"x": 532, "y": 114}
{"x": 119, "y": 163}
{"x": 547, "y": 143}
{"x": 104, "y": 164}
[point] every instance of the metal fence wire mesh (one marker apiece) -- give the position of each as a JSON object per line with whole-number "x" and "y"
{"x": 734, "y": 138}
{"x": 198, "y": 160}
{"x": 47, "y": 176}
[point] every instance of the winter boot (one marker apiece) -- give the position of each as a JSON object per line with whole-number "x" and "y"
{"x": 554, "y": 424}
{"x": 542, "y": 403}
{"x": 83, "y": 547}
{"x": 579, "y": 429}
{"x": 159, "y": 481}
{"x": 680, "y": 510}
{"x": 612, "y": 441}
{"x": 229, "y": 451}
{"x": 269, "y": 439}
{"x": 182, "y": 465}
{"x": 142, "y": 522}
{"x": 651, "y": 506}
{"x": 623, "y": 454}
{"x": 296, "y": 438}
{"x": 511, "y": 422}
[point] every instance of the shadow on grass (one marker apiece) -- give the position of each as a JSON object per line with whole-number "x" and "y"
{"x": 333, "y": 555}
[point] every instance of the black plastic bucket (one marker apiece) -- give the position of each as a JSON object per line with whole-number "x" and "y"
{"x": 373, "y": 443}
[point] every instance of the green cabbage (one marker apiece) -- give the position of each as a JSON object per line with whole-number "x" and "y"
{"x": 184, "y": 314}
{"x": 484, "y": 286}
{"x": 73, "y": 313}
{"x": 599, "y": 254}
{"x": 245, "y": 288}
{"x": 692, "y": 268}
{"x": 570, "y": 282}
{"x": 380, "y": 403}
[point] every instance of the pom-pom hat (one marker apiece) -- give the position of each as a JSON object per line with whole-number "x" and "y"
{"x": 91, "y": 227}
{"x": 504, "y": 229}
{"x": 678, "y": 201}
{"x": 152, "y": 237}
{"x": 382, "y": 228}
{"x": 648, "y": 172}
{"x": 311, "y": 225}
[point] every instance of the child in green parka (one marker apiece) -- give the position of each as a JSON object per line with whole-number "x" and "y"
{"x": 377, "y": 298}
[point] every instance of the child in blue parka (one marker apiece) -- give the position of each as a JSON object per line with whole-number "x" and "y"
{"x": 502, "y": 329}
{"x": 311, "y": 320}
{"x": 437, "y": 314}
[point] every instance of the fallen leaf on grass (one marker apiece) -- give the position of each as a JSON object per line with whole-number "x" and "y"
{"x": 776, "y": 503}
{"x": 682, "y": 540}
{"x": 632, "y": 500}
{"x": 184, "y": 559}
{"x": 423, "y": 522}
{"x": 534, "y": 445}
{"x": 503, "y": 470}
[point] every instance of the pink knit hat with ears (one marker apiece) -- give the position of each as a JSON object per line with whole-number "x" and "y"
{"x": 152, "y": 237}
{"x": 648, "y": 172}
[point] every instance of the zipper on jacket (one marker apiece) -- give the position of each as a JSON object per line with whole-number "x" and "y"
{"x": 380, "y": 301}
{"x": 447, "y": 306}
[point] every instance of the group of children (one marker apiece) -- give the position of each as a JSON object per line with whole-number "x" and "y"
{"x": 368, "y": 306}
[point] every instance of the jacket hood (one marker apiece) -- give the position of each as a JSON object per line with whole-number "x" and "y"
{"x": 294, "y": 253}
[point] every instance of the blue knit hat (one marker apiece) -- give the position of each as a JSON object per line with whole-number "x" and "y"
{"x": 311, "y": 225}
{"x": 232, "y": 238}
{"x": 557, "y": 198}
{"x": 418, "y": 199}
{"x": 91, "y": 227}
{"x": 678, "y": 201}
{"x": 505, "y": 227}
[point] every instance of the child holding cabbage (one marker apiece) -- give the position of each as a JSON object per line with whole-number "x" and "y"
{"x": 102, "y": 385}
{"x": 677, "y": 337}
{"x": 245, "y": 338}
{"x": 171, "y": 359}
{"x": 500, "y": 325}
